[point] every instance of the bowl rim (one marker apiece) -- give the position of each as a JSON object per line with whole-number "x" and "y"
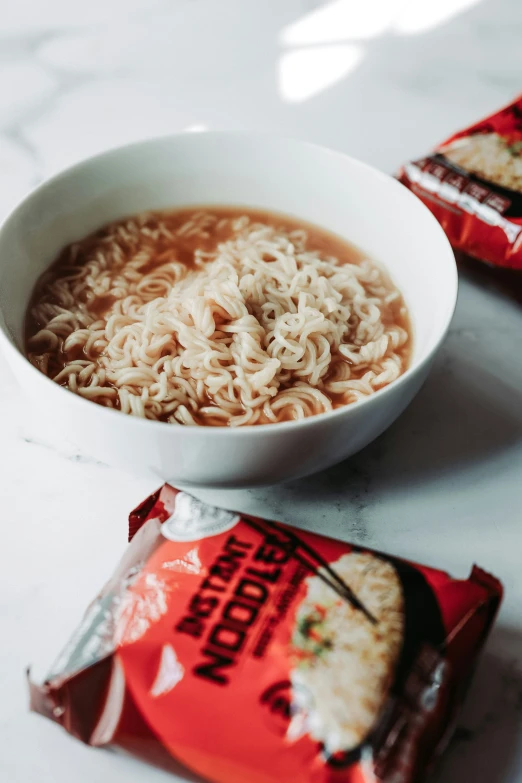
{"x": 247, "y": 430}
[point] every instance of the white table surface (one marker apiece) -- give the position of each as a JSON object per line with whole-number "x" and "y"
{"x": 383, "y": 80}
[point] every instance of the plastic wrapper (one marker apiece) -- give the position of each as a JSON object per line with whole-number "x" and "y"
{"x": 239, "y": 649}
{"x": 473, "y": 185}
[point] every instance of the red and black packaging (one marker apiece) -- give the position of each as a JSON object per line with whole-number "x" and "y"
{"x": 473, "y": 185}
{"x": 242, "y": 650}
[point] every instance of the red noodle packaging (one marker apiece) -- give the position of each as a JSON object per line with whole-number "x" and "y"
{"x": 241, "y": 650}
{"x": 473, "y": 185}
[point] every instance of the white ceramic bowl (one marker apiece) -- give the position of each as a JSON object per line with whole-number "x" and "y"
{"x": 327, "y": 188}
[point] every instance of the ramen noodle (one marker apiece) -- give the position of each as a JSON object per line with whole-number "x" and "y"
{"x": 241, "y": 649}
{"x": 490, "y": 157}
{"x": 473, "y": 185}
{"x": 328, "y": 637}
{"x": 217, "y": 317}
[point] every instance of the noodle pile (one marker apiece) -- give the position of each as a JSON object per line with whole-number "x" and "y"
{"x": 249, "y": 327}
{"x": 344, "y": 663}
{"x": 489, "y": 156}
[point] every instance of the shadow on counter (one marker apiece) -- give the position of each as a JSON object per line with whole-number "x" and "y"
{"x": 506, "y": 282}
{"x": 462, "y": 416}
{"x": 470, "y": 407}
{"x": 486, "y": 746}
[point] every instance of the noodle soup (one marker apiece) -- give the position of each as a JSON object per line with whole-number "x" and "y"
{"x": 217, "y": 316}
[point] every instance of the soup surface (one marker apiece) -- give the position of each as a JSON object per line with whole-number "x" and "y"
{"x": 217, "y": 316}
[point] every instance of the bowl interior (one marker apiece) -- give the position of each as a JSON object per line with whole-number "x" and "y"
{"x": 327, "y": 188}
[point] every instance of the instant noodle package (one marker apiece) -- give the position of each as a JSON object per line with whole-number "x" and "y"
{"x": 473, "y": 185}
{"x": 247, "y": 651}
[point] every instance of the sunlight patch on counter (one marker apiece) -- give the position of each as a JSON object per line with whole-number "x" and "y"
{"x": 306, "y": 72}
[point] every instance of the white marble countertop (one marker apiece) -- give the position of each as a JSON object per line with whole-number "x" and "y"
{"x": 383, "y": 80}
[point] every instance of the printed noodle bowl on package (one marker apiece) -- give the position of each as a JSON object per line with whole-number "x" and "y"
{"x": 243, "y": 650}
{"x": 472, "y": 183}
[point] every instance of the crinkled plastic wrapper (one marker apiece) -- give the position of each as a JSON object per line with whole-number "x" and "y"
{"x": 240, "y": 649}
{"x": 473, "y": 185}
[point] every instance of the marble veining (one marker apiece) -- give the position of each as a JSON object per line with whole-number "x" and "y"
{"x": 383, "y": 80}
